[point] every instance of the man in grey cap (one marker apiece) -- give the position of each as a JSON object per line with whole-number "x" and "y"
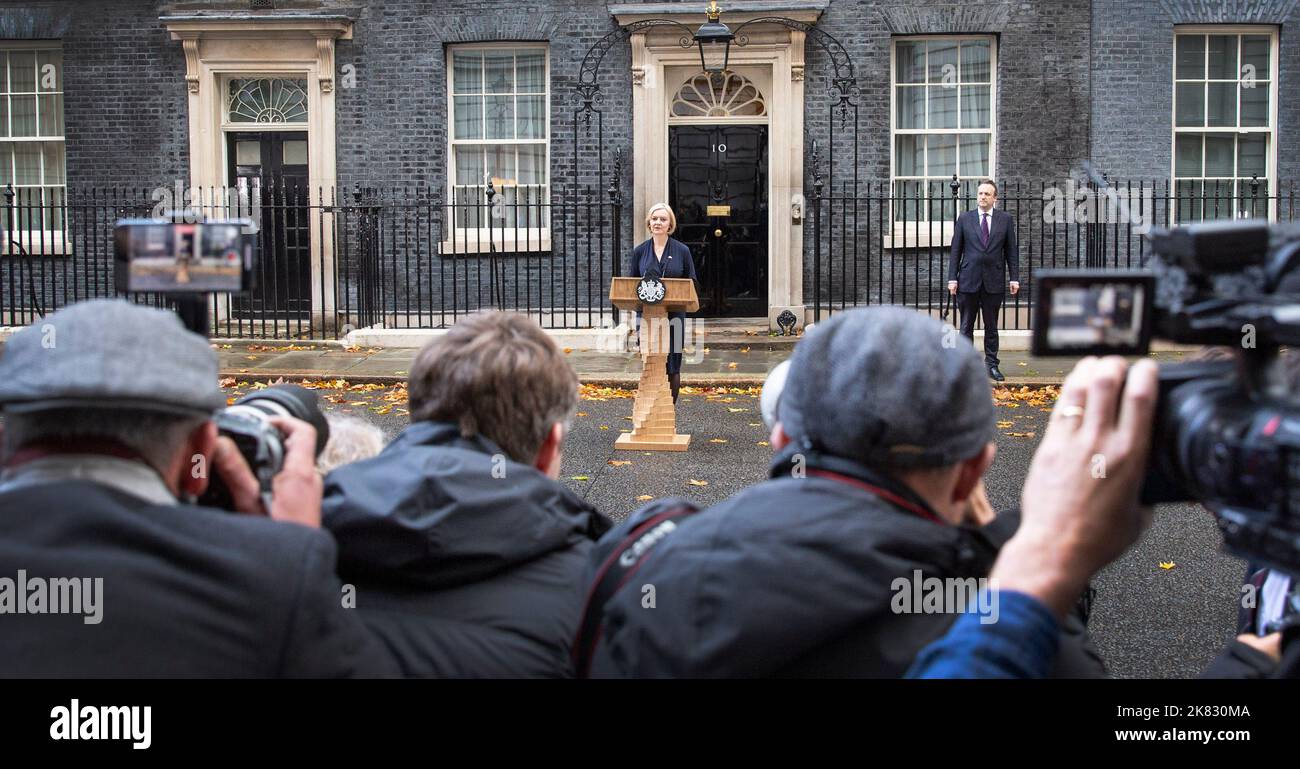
{"x": 884, "y": 429}
{"x": 107, "y": 568}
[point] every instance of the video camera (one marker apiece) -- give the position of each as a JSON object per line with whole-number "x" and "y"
{"x": 1227, "y": 432}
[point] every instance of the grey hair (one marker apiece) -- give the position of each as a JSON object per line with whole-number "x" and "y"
{"x": 352, "y": 439}
{"x": 155, "y": 436}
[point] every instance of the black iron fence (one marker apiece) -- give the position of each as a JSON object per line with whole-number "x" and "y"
{"x": 336, "y": 260}
{"x": 888, "y": 243}
{"x": 330, "y": 261}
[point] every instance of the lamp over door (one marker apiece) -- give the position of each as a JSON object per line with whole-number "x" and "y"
{"x": 714, "y": 39}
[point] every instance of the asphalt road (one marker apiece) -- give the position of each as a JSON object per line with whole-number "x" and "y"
{"x": 1147, "y": 622}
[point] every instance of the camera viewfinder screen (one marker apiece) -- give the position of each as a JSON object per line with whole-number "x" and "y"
{"x": 1096, "y": 315}
{"x": 185, "y": 257}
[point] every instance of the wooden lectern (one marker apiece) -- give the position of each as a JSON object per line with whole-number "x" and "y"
{"x": 654, "y": 417}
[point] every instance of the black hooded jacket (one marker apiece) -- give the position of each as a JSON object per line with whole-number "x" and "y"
{"x": 465, "y": 563}
{"x": 795, "y": 577}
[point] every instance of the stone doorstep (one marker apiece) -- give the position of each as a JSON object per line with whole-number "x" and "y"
{"x": 587, "y": 339}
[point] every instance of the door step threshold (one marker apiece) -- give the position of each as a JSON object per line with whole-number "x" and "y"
{"x": 741, "y": 341}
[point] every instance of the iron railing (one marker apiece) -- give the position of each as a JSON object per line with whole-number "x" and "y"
{"x": 336, "y": 260}
{"x": 888, "y": 243}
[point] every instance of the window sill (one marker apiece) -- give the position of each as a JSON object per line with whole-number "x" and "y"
{"x": 35, "y": 243}
{"x": 476, "y": 242}
{"x": 918, "y": 235}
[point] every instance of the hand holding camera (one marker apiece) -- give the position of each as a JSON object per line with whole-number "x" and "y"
{"x": 266, "y": 455}
{"x": 1080, "y": 501}
{"x": 1225, "y": 432}
{"x": 297, "y": 487}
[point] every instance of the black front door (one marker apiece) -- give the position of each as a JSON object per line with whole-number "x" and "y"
{"x": 269, "y": 168}
{"x": 717, "y": 186}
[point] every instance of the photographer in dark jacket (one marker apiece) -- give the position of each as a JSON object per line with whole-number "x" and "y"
{"x": 885, "y": 427}
{"x": 466, "y": 553}
{"x": 107, "y": 431}
{"x": 1075, "y": 526}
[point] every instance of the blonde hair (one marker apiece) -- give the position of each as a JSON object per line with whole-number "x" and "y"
{"x": 352, "y": 439}
{"x": 672, "y": 217}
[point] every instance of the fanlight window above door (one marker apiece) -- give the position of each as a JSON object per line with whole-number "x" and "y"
{"x": 726, "y": 95}
{"x": 268, "y": 100}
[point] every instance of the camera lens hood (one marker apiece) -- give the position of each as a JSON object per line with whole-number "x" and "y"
{"x": 295, "y": 401}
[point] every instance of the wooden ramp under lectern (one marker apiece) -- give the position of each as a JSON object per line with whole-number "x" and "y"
{"x": 654, "y": 417}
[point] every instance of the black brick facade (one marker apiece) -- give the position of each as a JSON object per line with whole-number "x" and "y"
{"x": 1132, "y": 79}
{"x": 124, "y": 88}
{"x": 1076, "y": 80}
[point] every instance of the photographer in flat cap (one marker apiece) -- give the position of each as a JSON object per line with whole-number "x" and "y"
{"x": 106, "y": 567}
{"x": 845, "y": 563}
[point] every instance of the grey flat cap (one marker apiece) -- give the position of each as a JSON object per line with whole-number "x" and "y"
{"x": 109, "y": 353}
{"x": 888, "y": 387}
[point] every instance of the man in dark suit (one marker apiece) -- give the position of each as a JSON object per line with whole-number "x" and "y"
{"x": 105, "y": 568}
{"x": 983, "y": 249}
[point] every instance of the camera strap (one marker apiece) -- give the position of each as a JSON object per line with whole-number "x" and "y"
{"x": 819, "y": 463}
{"x": 919, "y": 510}
{"x": 103, "y": 462}
{"x": 55, "y": 446}
{"x": 614, "y": 572}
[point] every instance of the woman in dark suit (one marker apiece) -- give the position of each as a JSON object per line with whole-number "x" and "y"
{"x": 669, "y": 259}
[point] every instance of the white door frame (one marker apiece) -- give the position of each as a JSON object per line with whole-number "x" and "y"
{"x": 777, "y": 51}
{"x": 216, "y": 49}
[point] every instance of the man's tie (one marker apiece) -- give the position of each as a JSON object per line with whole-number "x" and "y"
{"x": 984, "y": 226}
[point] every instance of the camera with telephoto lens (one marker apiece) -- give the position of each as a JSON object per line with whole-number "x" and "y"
{"x": 248, "y": 423}
{"x": 1227, "y": 432}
